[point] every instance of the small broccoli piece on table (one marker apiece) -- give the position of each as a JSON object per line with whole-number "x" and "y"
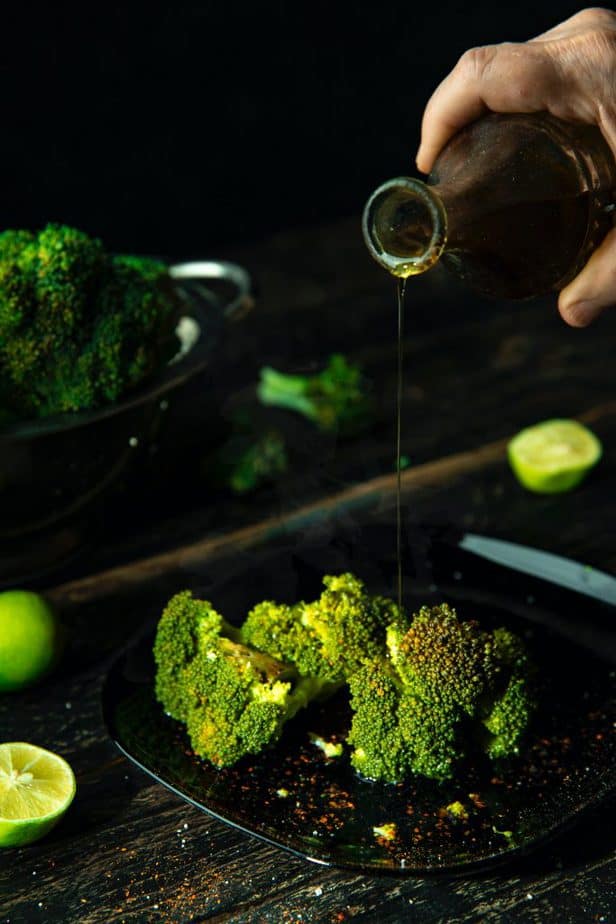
{"x": 233, "y": 699}
{"x": 330, "y": 637}
{"x": 335, "y": 399}
{"x": 422, "y": 706}
{"x": 245, "y": 464}
{"x": 78, "y": 328}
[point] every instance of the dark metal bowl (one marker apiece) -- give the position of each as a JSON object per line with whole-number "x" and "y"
{"x": 55, "y": 473}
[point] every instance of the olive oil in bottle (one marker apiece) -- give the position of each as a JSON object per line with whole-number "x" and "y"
{"x": 514, "y": 206}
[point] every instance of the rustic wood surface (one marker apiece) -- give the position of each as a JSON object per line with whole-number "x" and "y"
{"x": 128, "y": 850}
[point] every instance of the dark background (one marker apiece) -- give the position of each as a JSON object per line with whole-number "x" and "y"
{"x": 178, "y": 128}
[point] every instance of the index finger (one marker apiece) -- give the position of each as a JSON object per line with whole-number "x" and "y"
{"x": 500, "y": 78}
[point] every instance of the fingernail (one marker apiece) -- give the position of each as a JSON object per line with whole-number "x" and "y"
{"x": 580, "y": 314}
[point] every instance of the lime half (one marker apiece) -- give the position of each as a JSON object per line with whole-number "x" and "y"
{"x": 36, "y": 788}
{"x": 553, "y": 456}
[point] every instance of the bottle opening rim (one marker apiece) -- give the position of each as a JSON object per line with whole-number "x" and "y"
{"x": 409, "y": 264}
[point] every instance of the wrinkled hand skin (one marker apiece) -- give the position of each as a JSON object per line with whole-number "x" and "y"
{"x": 569, "y": 71}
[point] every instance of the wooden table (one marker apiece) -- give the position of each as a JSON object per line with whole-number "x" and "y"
{"x": 477, "y": 371}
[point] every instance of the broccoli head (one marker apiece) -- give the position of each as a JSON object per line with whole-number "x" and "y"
{"x": 78, "y": 328}
{"x": 279, "y": 630}
{"x": 330, "y": 637}
{"x": 234, "y": 699}
{"x": 442, "y": 658}
{"x": 185, "y": 622}
{"x": 335, "y": 399}
{"x": 443, "y": 687}
{"x": 349, "y": 623}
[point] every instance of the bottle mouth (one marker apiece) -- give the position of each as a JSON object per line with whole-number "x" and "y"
{"x": 405, "y": 226}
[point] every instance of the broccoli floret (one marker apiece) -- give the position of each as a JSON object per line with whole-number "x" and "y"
{"x": 335, "y": 399}
{"x": 13, "y": 242}
{"x": 425, "y": 704}
{"x": 233, "y": 699}
{"x": 78, "y": 328}
{"x": 330, "y": 637}
{"x": 245, "y": 463}
{"x": 379, "y": 749}
{"x": 442, "y": 658}
{"x": 393, "y": 733}
{"x": 508, "y": 709}
{"x": 66, "y": 266}
{"x": 349, "y": 623}
{"x": 135, "y": 314}
{"x": 185, "y": 623}
{"x": 279, "y": 630}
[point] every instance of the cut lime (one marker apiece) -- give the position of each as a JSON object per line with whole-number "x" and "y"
{"x": 36, "y": 788}
{"x": 30, "y": 639}
{"x": 553, "y": 456}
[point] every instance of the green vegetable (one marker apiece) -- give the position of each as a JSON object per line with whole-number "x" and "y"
{"x": 280, "y": 630}
{"x": 247, "y": 463}
{"x": 330, "y": 637}
{"x": 442, "y": 685}
{"x": 335, "y": 399}
{"x": 233, "y": 699}
{"x": 78, "y": 327}
{"x": 424, "y": 693}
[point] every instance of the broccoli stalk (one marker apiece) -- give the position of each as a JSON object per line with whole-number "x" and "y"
{"x": 335, "y": 399}
{"x": 234, "y": 699}
{"x": 441, "y": 685}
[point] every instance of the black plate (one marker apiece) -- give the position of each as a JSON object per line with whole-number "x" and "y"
{"x": 296, "y": 798}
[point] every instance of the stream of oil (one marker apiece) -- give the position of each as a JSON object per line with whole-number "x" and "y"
{"x": 401, "y": 294}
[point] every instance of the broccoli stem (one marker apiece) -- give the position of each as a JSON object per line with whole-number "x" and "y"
{"x": 288, "y": 391}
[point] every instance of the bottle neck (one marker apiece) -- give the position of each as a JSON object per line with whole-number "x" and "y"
{"x": 405, "y": 226}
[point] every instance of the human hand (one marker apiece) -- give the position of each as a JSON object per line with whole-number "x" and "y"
{"x": 569, "y": 71}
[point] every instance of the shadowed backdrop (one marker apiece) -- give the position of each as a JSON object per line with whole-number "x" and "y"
{"x": 177, "y": 128}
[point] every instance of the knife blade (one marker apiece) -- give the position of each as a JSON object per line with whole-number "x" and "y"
{"x": 546, "y": 565}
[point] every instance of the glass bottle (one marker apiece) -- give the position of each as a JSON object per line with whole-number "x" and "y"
{"x": 515, "y": 205}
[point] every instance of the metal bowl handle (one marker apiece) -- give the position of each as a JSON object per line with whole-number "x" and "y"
{"x": 243, "y": 298}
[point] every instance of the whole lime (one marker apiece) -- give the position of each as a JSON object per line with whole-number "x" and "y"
{"x": 30, "y": 639}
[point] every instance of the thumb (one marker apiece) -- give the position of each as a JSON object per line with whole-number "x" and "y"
{"x": 594, "y": 288}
